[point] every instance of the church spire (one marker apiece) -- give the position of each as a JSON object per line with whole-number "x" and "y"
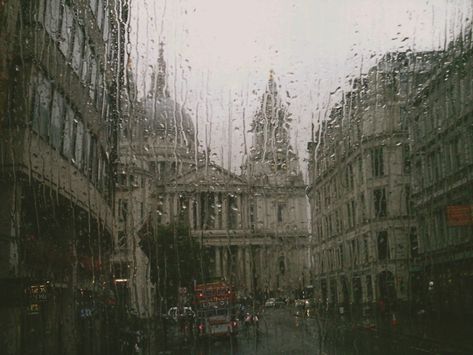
{"x": 161, "y": 85}
{"x": 272, "y": 88}
{"x": 271, "y": 122}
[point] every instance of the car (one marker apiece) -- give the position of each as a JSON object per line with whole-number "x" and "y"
{"x": 279, "y": 302}
{"x": 174, "y": 313}
{"x": 270, "y": 302}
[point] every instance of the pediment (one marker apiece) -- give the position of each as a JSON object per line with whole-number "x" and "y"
{"x": 212, "y": 175}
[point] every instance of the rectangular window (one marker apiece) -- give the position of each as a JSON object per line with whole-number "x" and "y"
{"x": 88, "y": 55}
{"x": 122, "y": 240}
{"x": 122, "y": 210}
{"x": 86, "y": 153}
{"x": 408, "y": 202}
{"x": 100, "y": 86}
{"x": 79, "y": 141}
{"x": 369, "y": 288}
{"x": 57, "y": 117}
{"x": 362, "y": 207}
{"x": 414, "y": 243}
{"x": 93, "y": 159}
{"x": 349, "y": 182}
{"x": 403, "y": 116}
{"x": 65, "y": 40}
{"x": 41, "y": 106}
{"x": 194, "y": 214}
{"x": 77, "y": 49}
{"x": 455, "y": 154}
{"x": 252, "y": 216}
{"x": 353, "y": 211}
{"x": 93, "y": 78}
{"x": 68, "y": 133}
{"x": 281, "y": 208}
{"x": 377, "y": 162}
{"x": 406, "y": 158}
{"x": 379, "y": 200}
{"x": 383, "y": 245}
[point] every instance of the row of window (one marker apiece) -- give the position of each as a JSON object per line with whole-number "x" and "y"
{"x": 436, "y": 234}
{"x": 339, "y": 185}
{"x": 451, "y": 98}
{"x": 352, "y": 213}
{"x": 208, "y": 210}
{"x": 357, "y": 286}
{"x": 353, "y": 252}
{"x": 56, "y": 121}
{"x": 130, "y": 180}
{"x": 65, "y": 27}
{"x": 445, "y": 160}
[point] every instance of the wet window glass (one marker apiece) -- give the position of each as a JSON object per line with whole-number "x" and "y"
{"x": 246, "y": 177}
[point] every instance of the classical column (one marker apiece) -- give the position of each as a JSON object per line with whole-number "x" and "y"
{"x": 218, "y": 211}
{"x": 248, "y": 270}
{"x": 239, "y": 211}
{"x": 224, "y": 210}
{"x": 218, "y": 263}
{"x": 240, "y": 267}
{"x": 225, "y": 262}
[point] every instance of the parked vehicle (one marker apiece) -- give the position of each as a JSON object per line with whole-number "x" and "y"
{"x": 280, "y": 302}
{"x": 270, "y": 302}
{"x": 174, "y": 313}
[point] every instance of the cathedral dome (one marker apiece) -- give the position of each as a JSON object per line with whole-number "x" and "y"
{"x": 168, "y": 118}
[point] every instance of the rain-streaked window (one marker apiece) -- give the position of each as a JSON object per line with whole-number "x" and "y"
{"x": 237, "y": 177}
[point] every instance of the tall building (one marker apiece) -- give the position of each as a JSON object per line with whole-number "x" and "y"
{"x": 252, "y": 227}
{"x": 133, "y": 192}
{"x": 156, "y": 145}
{"x": 61, "y": 69}
{"x": 360, "y": 189}
{"x": 440, "y": 119}
{"x": 277, "y": 205}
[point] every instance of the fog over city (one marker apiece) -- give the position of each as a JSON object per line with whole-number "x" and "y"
{"x": 236, "y": 177}
{"x": 219, "y": 54}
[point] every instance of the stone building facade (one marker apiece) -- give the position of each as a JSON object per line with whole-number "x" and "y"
{"x": 156, "y": 145}
{"x": 60, "y": 76}
{"x": 253, "y": 227}
{"x": 440, "y": 119}
{"x": 360, "y": 190}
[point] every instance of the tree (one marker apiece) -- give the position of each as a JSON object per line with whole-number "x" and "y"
{"x": 174, "y": 256}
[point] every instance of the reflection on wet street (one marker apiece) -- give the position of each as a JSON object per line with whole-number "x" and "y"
{"x": 282, "y": 332}
{"x": 236, "y": 177}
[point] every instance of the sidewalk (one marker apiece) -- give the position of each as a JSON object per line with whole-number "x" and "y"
{"x": 441, "y": 333}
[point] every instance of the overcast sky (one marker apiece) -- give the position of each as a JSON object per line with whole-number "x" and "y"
{"x": 219, "y": 53}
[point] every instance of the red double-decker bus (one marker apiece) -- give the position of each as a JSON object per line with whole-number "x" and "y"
{"x": 214, "y": 304}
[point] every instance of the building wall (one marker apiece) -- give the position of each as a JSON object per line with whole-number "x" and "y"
{"x": 360, "y": 191}
{"x": 56, "y": 143}
{"x": 440, "y": 120}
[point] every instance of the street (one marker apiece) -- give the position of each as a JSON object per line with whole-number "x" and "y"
{"x": 282, "y": 332}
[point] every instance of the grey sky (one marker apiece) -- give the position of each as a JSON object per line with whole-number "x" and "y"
{"x": 219, "y": 52}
